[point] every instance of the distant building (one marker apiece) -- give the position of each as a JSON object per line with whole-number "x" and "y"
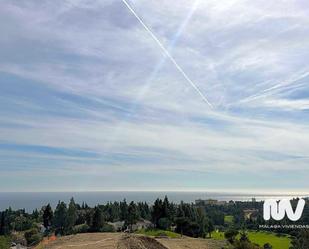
{"x": 200, "y": 202}
{"x": 250, "y": 214}
{"x": 142, "y": 224}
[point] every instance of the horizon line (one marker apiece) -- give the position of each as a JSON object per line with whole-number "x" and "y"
{"x": 213, "y": 191}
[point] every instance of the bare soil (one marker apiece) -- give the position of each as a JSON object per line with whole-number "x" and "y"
{"x": 190, "y": 243}
{"x": 129, "y": 241}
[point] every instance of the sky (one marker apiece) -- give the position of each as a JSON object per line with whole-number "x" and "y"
{"x": 89, "y": 101}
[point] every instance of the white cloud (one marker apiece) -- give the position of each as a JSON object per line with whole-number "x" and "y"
{"x": 241, "y": 54}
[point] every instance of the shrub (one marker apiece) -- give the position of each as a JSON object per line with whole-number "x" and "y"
{"x": 4, "y": 242}
{"x": 267, "y": 246}
{"x": 33, "y": 237}
{"x": 230, "y": 235}
{"x": 107, "y": 228}
{"x": 83, "y": 228}
{"x": 164, "y": 223}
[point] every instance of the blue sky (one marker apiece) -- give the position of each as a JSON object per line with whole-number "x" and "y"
{"x": 90, "y": 102}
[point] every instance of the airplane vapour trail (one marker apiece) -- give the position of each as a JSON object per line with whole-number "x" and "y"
{"x": 168, "y": 54}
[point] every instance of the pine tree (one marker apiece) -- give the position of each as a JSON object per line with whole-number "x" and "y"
{"x": 123, "y": 209}
{"x": 60, "y": 218}
{"x": 71, "y": 215}
{"x": 132, "y": 216}
{"x": 47, "y": 217}
{"x": 97, "y": 220}
{"x": 5, "y": 222}
{"x": 156, "y": 213}
{"x": 36, "y": 215}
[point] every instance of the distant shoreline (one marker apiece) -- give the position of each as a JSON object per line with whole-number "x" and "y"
{"x": 32, "y": 200}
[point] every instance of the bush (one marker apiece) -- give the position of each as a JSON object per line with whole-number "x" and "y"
{"x": 107, "y": 228}
{"x": 83, "y": 228}
{"x": 245, "y": 245}
{"x": 164, "y": 223}
{"x": 18, "y": 238}
{"x": 4, "y": 242}
{"x": 267, "y": 246}
{"x": 33, "y": 237}
{"x": 230, "y": 235}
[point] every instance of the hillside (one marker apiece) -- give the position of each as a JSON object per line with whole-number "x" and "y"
{"x": 128, "y": 241}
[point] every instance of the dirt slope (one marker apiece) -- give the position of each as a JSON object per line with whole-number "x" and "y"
{"x": 128, "y": 241}
{"x": 86, "y": 241}
{"x": 139, "y": 242}
{"x": 190, "y": 243}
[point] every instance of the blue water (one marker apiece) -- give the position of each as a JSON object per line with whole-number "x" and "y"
{"x": 33, "y": 200}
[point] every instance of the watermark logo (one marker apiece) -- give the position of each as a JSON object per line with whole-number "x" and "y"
{"x": 279, "y": 209}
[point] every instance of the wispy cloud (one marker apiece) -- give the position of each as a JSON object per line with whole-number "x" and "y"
{"x": 86, "y": 92}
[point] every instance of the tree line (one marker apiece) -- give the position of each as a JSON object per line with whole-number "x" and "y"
{"x": 72, "y": 218}
{"x": 184, "y": 218}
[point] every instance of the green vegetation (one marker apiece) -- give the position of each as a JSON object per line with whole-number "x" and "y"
{"x": 158, "y": 232}
{"x": 228, "y": 219}
{"x": 4, "y": 242}
{"x": 301, "y": 241}
{"x": 188, "y": 219}
{"x": 218, "y": 235}
{"x": 33, "y": 237}
{"x": 261, "y": 238}
{"x": 72, "y": 218}
{"x": 193, "y": 220}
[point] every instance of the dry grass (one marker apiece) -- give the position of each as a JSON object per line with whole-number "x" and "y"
{"x": 126, "y": 241}
{"x": 87, "y": 240}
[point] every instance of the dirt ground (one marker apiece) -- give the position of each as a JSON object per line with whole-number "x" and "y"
{"x": 190, "y": 243}
{"x": 126, "y": 241}
{"x": 86, "y": 241}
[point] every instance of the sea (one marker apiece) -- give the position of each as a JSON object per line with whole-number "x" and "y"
{"x": 35, "y": 200}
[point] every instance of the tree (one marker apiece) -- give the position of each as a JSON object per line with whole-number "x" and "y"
{"x": 71, "y": 215}
{"x": 166, "y": 208}
{"x": 203, "y": 222}
{"x": 244, "y": 245}
{"x": 181, "y": 223}
{"x": 164, "y": 223}
{"x": 4, "y": 223}
{"x": 47, "y": 217}
{"x": 22, "y": 223}
{"x": 35, "y": 215}
{"x": 230, "y": 235}
{"x": 301, "y": 241}
{"x": 210, "y": 228}
{"x": 156, "y": 213}
{"x": 97, "y": 220}
{"x": 60, "y": 218}
{"x": 244, "y": 236}
{"x": 123, "y": 209}
{"x": 144, "y": 210}
{"x": 267, "y": 246}
{"x": 132, "y": 216}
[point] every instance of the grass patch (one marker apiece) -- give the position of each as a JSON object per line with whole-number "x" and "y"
{"x": 261, "y": 238}
{"x": 228, "y": 219}
{"x": 277, "y": 242}
{"x": 218, "y": 235}
{"x": 4, "y": 242}
{"x": 157, "y": 232}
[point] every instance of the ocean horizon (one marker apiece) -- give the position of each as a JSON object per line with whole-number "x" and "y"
{"x": 32, "y": 200}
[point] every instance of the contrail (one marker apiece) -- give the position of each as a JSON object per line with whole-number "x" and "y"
{"x": 168, "y": 54}
{"x": 270, "y": 90}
